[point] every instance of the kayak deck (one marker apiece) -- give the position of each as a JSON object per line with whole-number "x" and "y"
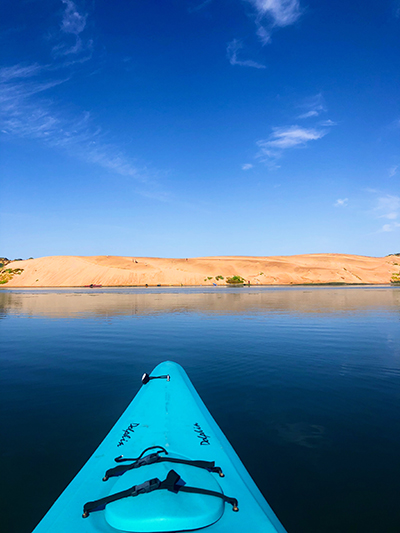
{"x": 169, "y": 414}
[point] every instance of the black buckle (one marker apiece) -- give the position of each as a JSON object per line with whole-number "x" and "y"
{"x": 147, "y": 486}
{"x": 147, "y": 460}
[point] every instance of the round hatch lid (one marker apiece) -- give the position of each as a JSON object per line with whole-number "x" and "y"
{"x": 162, "y": 510}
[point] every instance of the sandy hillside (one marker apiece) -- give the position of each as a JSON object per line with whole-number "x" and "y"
{"x": 74, "y": 271}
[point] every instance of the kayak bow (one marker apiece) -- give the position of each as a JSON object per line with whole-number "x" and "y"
{"x": 178, "y": 472}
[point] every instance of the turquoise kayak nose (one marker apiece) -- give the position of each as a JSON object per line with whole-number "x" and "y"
{"x": 165, "y": 466}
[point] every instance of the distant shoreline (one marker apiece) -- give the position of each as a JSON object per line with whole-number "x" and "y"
{"x": 115, "y": 271}
{"x": 181, "y": 286}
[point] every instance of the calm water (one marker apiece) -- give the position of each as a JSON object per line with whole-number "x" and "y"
{"x": 304, "y": 382}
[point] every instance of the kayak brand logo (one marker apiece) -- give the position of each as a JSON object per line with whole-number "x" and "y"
{"x": 201, "y": 435}
{"x": 126, "y": 434}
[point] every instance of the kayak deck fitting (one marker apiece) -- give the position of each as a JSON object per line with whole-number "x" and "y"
{"x": 164, "y": 467}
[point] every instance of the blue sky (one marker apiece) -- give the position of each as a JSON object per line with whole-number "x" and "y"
{"x": 190, "y": 128}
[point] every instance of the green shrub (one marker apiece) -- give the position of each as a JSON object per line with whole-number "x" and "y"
{"x": 7, "y": 274}
{"x": 235, "y": 280}
{"x": 395, "y": 278}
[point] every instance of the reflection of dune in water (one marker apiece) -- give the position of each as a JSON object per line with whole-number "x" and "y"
{"x": 309, "y": 436}
{"x": 81, "y": 303}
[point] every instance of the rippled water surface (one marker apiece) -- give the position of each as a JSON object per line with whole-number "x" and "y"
{"x": 305, "y": 383}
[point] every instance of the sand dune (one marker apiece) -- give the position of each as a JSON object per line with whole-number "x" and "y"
{"x": 75, "y": 271}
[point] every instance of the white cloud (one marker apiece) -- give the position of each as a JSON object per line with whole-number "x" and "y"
{"x": 328, "y": 123}
{"x": 280, "y": 12}
{"x": 232, "y": 52}
{"x": 19, "y": 71}
{"x": 72, "y": 25}
{"x": 284, "y": 138}
{"x": 393, "y": 171}
{"x": 29, "y": 108}
{"x": 269, "y": 14}
{"x": 388, "y": 207}
{"x": 247, "y": 166}
{"x": 341, "y": 202}
{"x": 309, "y": 114}
{"x": 390, "y": 227}
{"x": 263, "y": 34}
{"x": 274, "y": 13}
{"x": 12, "y": 94}
{"x": 73, "y": 21}
{"x": 26, "y": 114}
{"x": 313, "y": 107}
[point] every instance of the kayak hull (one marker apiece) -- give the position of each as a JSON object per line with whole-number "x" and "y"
{"x": 167, "y": 413}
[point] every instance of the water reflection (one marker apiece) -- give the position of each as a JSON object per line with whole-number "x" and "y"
{"x": 80, "y": 303}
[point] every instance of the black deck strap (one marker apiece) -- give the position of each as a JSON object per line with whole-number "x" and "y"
{"x": 227, "y": 499}
{"x": 152, "y": 458}
{"x": 121, "y": 458}
{"x": 99, "y": 505}
{"x": 172, "y": 482}
{"x": 207, "y": 465}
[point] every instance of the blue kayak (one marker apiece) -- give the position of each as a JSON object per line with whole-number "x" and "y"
{"x": 164, "y": 466}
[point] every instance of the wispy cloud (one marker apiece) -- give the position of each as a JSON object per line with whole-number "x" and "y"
{"x": 285, "y": 138}
{"x": 13, "y": 92}
{"x": 393, "y": 171}
{"x": 309, "y": 114}
{"x": 73, "y": 21}
{"x": 313, "y": 107}
{"x": 388, "y": 207}
{"x": 19, "y": 71}
{"x": 281, "y": 12}
{"x": 268, "y": 15}
{"x": 327, "y": 123}
{"x": 341, "y": 202}
{"x": 247, "y": 166}
{"x": 72, "y": 26}
{"x": 271, "y": 14}
{"x": 31, "y": 108}
{"x": 390, "y": 227}
{"x": 27, "y": 113}
{"x": 232, "y": 54}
